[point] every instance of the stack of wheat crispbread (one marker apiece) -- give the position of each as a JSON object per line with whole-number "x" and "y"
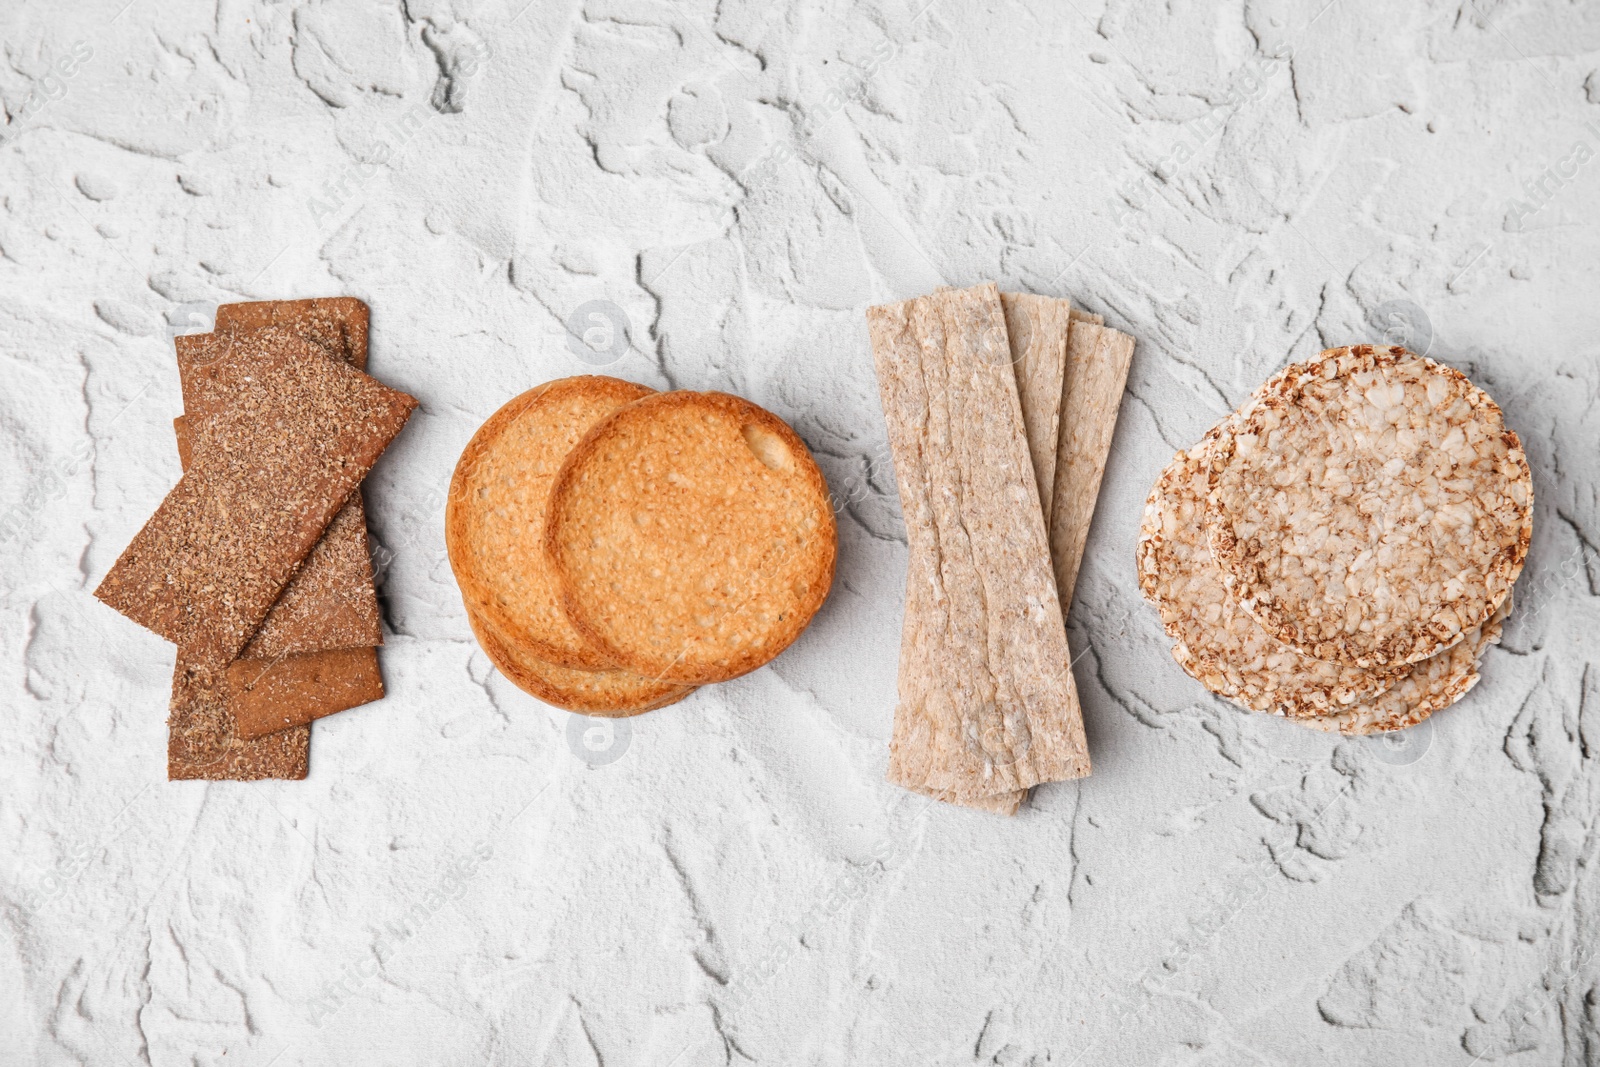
{"x": 256, "y": 565}
{"x": 617, "y": 547}
{"x": 1000, "y": 410}
{"x": 1341, "y": 549}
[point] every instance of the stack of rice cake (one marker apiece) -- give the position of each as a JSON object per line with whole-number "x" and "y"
{"x": 1341, "y": 549}
{"x": 257, "y": 564}
{"x": 1000, "y": 411}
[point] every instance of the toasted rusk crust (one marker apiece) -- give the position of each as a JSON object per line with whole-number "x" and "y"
{"x": 693, "y": 536}
{"x": 495, "y": 517}
{"x": 608, "y": 693}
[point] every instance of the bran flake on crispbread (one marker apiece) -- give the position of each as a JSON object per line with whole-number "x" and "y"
{"x": 330, "y": 602}
{"x": 297, "y": 435}
{"x": 203, "y": 741}
{"x": 1369, "y": 506}
{"x": 266, "y": 696}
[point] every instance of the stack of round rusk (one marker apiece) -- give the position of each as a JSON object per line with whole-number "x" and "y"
{"x": 617, "y": 547}
{"x": 1341, "y": 549}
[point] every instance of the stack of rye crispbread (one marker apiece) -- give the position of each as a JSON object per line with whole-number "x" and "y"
{"x": 1000, "y": 409}
{"x": 256, "y": 564}
{"x": 1341, "y": 549}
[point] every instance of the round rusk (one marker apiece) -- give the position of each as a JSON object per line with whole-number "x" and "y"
{"x": 495, "y": 518}
{"x": 1369, "y": 507}
{"x": 693, "y": 536}
{"x": 608, "y": 693}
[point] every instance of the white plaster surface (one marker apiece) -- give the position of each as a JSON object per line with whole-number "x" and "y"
{"x": 1236, "y": 184}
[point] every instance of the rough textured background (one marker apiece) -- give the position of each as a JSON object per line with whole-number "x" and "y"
{"x": 464, "y": 878}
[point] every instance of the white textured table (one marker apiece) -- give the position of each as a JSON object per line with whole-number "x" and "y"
{"x": 710, "y": 198}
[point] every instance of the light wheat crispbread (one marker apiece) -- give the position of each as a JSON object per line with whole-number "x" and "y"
{"x": 1370, "y": 506}
{"x": 987, "y": 703}
{"x": 607, "y": 693}
{"x": 1428, "y": 686}
{"x": 1036, "y": 331}
{"x": 1096, "y": 372}
{"x": 1220, "y": 645}
{"x": 495, "y": 518}
{"x": 203, "y": 741}
{"x": 993, "y": 803}
{"x": 693, "y": 536}
{"x": 297, "y": 435}
{"x": 269, "y": 695}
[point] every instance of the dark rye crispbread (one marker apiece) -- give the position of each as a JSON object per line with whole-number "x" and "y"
{"x": 320, "y": 656}
{"x": 298, "y": 433}
{"x": 339, "y": 323}
{"x": 269, "y": 695}
{"x": 330, "y": 602}
{"x": 495, "y": 517}
{"x": 203, "y": 742}
{"x": 693, "y": 536}
{"x": 987, "y": 703}
{"x": 609, "y": 693}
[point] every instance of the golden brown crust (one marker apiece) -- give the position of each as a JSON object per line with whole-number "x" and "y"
{"x": 608, "y": 693}
{"x": 495, "y": 516}
{"x": 692, "y": 535}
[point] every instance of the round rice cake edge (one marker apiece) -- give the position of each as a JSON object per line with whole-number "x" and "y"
{"x": 1433, "y": 685}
